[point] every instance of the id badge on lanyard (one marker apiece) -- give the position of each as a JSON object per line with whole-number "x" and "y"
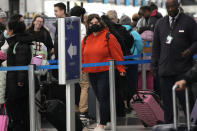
{"x": 169, "y": 38}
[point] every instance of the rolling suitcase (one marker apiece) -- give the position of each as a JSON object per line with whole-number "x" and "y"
{"x": 175, "y": 126}
{"x": 55, "y": 113}
{"x": 148, "y": 108}
{"x": 194, "y": 114}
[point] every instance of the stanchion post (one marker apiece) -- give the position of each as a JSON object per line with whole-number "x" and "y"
{"x": 144, "y": 74}
{"x": 112, "y": 93}
{"x": 70, "y": 108}
{"x": 32, "y": 98}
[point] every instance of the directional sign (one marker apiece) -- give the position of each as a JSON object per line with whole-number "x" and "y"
{"x": 73, "y": 49}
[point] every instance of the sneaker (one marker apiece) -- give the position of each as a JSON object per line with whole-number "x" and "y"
{"x": 108, "y": 126}
{"x": 99, "y": 129}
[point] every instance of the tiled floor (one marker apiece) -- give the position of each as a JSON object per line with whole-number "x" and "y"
{"x": 128, "y": 123}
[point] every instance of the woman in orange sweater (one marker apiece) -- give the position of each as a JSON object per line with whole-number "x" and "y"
{"x": 96, "y": 48}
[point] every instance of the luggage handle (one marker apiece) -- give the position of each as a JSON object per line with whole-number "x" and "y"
{"x": 175, "y": 107}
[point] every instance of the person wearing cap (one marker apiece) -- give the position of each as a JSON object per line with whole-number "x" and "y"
{"x": 3, "y": 17}
{"x": 132, "y": 70}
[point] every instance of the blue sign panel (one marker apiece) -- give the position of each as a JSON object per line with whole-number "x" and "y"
{"x": 73, "y": 47}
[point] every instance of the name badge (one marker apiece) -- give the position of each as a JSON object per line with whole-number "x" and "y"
{"x": 181, "y": 31}
{"x": 169, "y": 39}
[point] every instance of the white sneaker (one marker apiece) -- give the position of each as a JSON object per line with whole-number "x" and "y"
{"x": 99, "y": 129}
{"x": 108, "y": 126}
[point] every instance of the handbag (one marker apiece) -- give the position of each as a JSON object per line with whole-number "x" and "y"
{"x": 4, "y": 120}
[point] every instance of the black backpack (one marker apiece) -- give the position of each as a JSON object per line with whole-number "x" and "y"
{"x": 123, "y": 36}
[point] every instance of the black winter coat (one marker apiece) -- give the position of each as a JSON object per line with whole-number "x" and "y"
{"x": 42, "y": 36}
{"x": 168, "y": 58}
{"x": 22, "y": 57}
{"x": 2, "y": 28}
{"x": 2, "y": 39}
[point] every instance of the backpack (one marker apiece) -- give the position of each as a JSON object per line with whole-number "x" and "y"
{"x": 123, "y": 36}
{"x": 147, "y": 35}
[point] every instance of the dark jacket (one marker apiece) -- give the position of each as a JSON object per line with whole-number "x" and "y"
{"x": 2, "y": 28}
{"x": 42, "y": 36}
{"x": 168, "y": 57}
{"x": 191, "y": 75}
{"x": 22, "y": 57}
{"x": 2, "y": 39}
{"x": 56, "y": 41}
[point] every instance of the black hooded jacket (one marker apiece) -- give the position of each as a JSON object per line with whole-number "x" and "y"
{"x": 21, "y": 57}
{"x": 2, "y": 28}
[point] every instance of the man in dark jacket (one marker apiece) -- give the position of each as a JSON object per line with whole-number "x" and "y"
{"x": 60, "y": 12}
{"x": 174, "y": 44}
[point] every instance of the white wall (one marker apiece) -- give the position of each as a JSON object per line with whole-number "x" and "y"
{"x": 35, "y": 6}
{"x": 4, "y": 4}
{"x": 99, "y": 8}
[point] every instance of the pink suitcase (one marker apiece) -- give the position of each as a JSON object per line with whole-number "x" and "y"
{"x": 148, "y": 108}
{"x": 149, "y": 81}
{"x": 4, "y": 121}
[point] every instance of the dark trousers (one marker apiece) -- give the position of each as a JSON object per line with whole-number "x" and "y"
{"x": 132, "y": 74}
{"x": 121, "y": 83}
{"x": 18, "y": 112}
{"x": 77, "y": 93}
{"x": 100, "y": 85}
{"x": 156, "y": 84}
{"x": 166, "y": 84}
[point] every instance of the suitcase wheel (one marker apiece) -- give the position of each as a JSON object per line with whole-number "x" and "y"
{"x": 144, "y": 124}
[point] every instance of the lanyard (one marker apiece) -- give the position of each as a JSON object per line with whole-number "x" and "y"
{"x": 172, "y": 25}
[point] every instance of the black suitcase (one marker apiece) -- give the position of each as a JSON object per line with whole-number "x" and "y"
{"x": 51, "y": 90}
{"x": 55, "y": 113}
{"x": 175, "y": 126}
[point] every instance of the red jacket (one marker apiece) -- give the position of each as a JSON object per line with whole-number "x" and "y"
{"x": 96, "y": 49}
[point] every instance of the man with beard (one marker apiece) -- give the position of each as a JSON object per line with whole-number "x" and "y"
{"x": 174, "y": 44}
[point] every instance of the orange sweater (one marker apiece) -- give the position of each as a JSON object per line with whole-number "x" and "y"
{"x": 96, "y": 49}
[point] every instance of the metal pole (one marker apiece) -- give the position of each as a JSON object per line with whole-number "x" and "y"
{"x": 32, "y": 98}
{"x": 187, "y": 109}
{"x": 144, "y": 74}
{"x": 70, "y": 107}
{"x": 174, "y": 106}
{"x": 97, "y": 112}
{"x": 112, "y": 93}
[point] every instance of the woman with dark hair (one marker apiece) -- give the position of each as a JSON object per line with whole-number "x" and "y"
{"x": 96, "y": 48}
{"x": 40, "y": 33}
{"x": 18, "y": 54}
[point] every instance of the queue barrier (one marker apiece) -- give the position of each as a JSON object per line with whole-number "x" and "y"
{"x": 51, "y": 67}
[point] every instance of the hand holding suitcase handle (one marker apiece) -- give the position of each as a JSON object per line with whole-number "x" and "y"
{"x": 174, "y": 89}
